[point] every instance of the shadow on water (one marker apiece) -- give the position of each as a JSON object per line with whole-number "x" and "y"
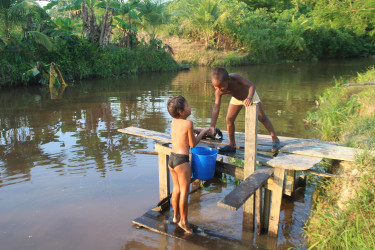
{"x": 69, "y": 180}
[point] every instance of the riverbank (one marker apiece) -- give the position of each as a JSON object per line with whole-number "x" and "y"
{"x": 343, "y": 214}
{"x": 194, "y": 53}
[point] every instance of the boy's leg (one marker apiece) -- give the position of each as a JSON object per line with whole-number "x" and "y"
{"x": 267, "y": 123}
{"x": 184, "y": 174}
{"x": 175, "y": 196}
{"x": 233, "y": 111}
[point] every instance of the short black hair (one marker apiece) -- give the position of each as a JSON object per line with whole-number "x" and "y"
{"x": 175, "y": 105}
{"x": 220, "y": 74}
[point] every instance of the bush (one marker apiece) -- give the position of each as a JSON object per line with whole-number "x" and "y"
{"x": 78, "y": 59}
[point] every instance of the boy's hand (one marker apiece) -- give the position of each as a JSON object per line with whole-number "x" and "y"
{"x": 211, "y": 131}
{"x": 248, "y": 102}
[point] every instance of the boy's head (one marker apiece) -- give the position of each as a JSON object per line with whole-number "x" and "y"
{"x": 219, "y": 78}
{"x": 178, "y": 107}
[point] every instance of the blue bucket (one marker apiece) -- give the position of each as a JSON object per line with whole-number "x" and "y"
{"x": 203, "y": 162}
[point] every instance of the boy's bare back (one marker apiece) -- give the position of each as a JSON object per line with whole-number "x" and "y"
{"x": 181, "y": 131}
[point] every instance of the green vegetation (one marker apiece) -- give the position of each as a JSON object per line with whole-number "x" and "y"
{"x": 343, "y": 216}
{"x": 105, "y": 38}
{"x": 78, "y": 37}
{"x": 277, "y": 30}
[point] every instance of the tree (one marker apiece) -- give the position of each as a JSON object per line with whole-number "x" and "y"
{"x": 358, "y": 16}
{"x": 23, "y": 20}
{"x": 126, "y": 17}
{"x": 153, "y": 14}
{"x": 204, "y": 16}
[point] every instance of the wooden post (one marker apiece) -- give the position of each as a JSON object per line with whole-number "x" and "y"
{"x": 164, "y": 182}
{"x": 259, "y": 211}
{"x": 251, "y": 127}
{"x": 277, "y": 195}
{"x": 289, "y": 183}
{"x": 266, "y": 211}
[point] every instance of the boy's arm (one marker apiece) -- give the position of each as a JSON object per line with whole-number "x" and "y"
{"x": 193, "y": 141}
{"x": 215, "y": 112}
{"x": 249, "y": 99}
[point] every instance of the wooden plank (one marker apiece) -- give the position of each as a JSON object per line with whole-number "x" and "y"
{"x": 242, "y": 192}
{"x": 291, "y": 145}
{"x": 277, "y": 194}
{"x": 202, "y": 237}
{"x": 308, "y": 147}
{"x": 145, "y": 152}
{"x": 259, "y": 210}
{"x": 164, "y": 137}
{"x": 165, "y": 202}
{"x": 266, "y": 209}
{"x": 164, "y": 182}
{"x": 293, "y": 162}
{"x": 323, "y": 174}
{"x": 251, "y": 131}
{"x": 358, "y": 84}
{"x": 226, "y": 168}
{"x": 321, "y": 150}
{"x": 162, "y": 149}
{"x": 289, "y": 182}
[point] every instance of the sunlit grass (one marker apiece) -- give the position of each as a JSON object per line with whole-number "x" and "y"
{"x": 330, "y": 227}
{"x": 344, "y": 209}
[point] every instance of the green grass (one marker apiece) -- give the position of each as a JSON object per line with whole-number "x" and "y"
{"x": 331, "y": 227}
{"x": 343, "y": 215}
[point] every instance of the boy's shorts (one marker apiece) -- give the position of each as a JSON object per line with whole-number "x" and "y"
{"x": 235, "y": 101}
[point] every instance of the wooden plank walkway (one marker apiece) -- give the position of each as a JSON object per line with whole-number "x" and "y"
{"x": 295, "y": 155}
{"x": 290, "y": 145}
{"x": 203, "y": 237}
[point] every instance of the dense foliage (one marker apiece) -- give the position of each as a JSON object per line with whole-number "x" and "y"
{"x": 85, "y": 38}
{"x": 279, "y": 30}
{"x": 80, "y": 35}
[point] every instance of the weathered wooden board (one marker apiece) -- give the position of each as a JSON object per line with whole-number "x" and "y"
{"x": 291, "y": 145}
{"x": 322, "y": 150}
{"x": 277, "y": 196}
{"x": 202, "y": 237}
{"x": 306, "y": 147}
{"x": 293, "y": 162}
{"x": 242, "y": 192}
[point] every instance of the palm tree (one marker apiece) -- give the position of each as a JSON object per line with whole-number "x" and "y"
{"x": 154, "y": 14}
{"x": 203, "y": 16}
{"x": 126, "y": 18}
{"x": 23, "y": 19}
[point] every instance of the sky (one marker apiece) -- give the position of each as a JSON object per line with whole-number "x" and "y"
{"x": 42, "y": 3}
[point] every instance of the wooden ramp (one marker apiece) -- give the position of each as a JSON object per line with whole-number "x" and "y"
{"x": 237, "y": 197}
{"x": 203, "y": 237}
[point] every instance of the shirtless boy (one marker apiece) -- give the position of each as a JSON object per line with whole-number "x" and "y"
{"x": 183, "y": 138}
{"x": 243, "y": 93}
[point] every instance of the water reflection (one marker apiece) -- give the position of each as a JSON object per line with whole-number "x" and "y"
{"x": 58, "y": 144}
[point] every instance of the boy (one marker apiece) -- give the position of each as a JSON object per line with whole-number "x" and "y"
{"x": 243, "y": 93}
{"x": 183, "y": 138}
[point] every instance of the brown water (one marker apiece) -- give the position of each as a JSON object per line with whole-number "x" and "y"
{"x": 69, "y": 180}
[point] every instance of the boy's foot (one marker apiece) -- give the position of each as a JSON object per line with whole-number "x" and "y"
{"x": 218, "y": 135}
{"x": 227, "y": 149}
{"x": 276, "y": 146}
{"x": 185, "y": 228}
{"x": 176, "y": 219}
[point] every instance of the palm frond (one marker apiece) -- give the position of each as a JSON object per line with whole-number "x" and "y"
{"x": 41, "y": 39}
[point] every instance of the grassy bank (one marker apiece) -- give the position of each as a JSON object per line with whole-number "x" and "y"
{"x": 343, "y": 214}
{"x": 188, "y": 52}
